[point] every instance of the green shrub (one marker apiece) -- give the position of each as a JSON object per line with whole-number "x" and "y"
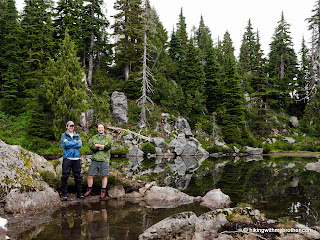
{"x": 50, "y": 178}
{"x": 148, "y": 148}
{"x": 266, "y": 148}
{"x": 216, "y": 149}
{"x": 120, "y": 151}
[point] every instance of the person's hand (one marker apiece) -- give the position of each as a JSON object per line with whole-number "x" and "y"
{"x": 65, "y": 140}
{"x": 101, "y": 147}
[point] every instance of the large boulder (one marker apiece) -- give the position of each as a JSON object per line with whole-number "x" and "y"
{"x": 166, "y": 197}
{"x": 314, "y": 166}
{"x": 119, "y": 105}
{"x": 116, "y": 191}
{"x": 190, "y": 149}
{"x": 215, "y": 199}
{"x": 176, "y": 146}
{"x": 134, "y": 151}
{"x": 21, "y": 184}
{"x": 209, "y": 224}
{"x": 159, "y": 142}
{"x": 179, "y": 226}
{"x": 253, "y": 151}
{"x": 294, "y": 121}
{"x": 183, "y": 146}
{"x": 182, "y": 126}
{"x": 289, "y": 140}
{"x": 22, "y": 202}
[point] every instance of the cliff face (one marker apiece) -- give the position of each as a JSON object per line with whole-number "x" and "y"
{"x": 21, "y": 185}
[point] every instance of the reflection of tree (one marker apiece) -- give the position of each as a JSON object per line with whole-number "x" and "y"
{"x": 71, "y": 223}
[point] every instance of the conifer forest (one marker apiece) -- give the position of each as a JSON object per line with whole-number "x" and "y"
{"x": 59, "y": 59}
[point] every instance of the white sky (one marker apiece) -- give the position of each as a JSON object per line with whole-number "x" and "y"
{"x": 232, "y": 16}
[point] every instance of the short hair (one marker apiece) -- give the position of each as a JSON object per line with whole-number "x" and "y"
{"x": 101, "y": 123}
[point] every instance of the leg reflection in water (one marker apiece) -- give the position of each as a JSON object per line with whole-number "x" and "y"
{"x": 71, "y": 223}
{"x": 98, "y": 226}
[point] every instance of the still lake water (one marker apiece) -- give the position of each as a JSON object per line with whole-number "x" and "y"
{"x": 279, "y": 186}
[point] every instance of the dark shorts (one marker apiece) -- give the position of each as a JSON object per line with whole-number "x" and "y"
{"x": 97, "y": 166}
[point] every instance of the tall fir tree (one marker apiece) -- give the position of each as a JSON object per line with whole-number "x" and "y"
{"x": 12, "y": 86}
{"x": 95, "y": 35}
{"x": 182, "y": 30}
{"x": 282, "y": 67}
{"x": 65, "y": 86}
{"x": 69, "y": 15}
{"x": 259, "y": 112}
{"x": 193, "y": 84}
{"x": 128, "y": 32}
{"x": 203, "y": 40}
{"x": 247, "y": 57}
{"x": 233, "y": 120}
{"x": 213, "y": 85}
{"x": 38, "y": 43}
{"x": 38, "y": 46}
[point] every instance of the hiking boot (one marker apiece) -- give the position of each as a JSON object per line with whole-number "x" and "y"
{"x": 64, "y": 197}
{"x": 103, "y": 193}
{"x": 88, "y": 193}
{"x": 81, "y": 196}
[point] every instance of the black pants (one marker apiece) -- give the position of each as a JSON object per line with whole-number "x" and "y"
{"x": 67, "y": 166}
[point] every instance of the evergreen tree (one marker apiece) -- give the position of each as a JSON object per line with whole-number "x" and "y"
{"x": 65, "y": 86}
{"x": 128, "y": 31}
{"x": 282, "y": 67}
{"x": 38, "y": 46}
{"x": 175, "y": 47}
{"x": 69, "y": 15}
{"x": 193, "y": 84}
{"x": 314, "y": 26}
{"x": 38, "y": 43}
{"x": 203, "y": 40}
{"x": 182, "y": 30}
{"x": 260, "y": 109}
{"x": 302, "y": 82}
{"x": 247, "y": 57}
{"x": 213, "y": 86}
{"x": 233, "y": 120}
{"x": 11, "y": 88}
{"x": 95, "y": 24}
{"x": 167, "y": 92}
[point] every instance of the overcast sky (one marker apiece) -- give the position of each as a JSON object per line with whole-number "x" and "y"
{"x": 232, "y": 16}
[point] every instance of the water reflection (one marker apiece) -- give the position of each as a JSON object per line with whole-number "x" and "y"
{"x": 278, "y": 185}
{"x": 104, "y": 220}
{"x": 71, "y": 223}
{"x": 98, "y": 227}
